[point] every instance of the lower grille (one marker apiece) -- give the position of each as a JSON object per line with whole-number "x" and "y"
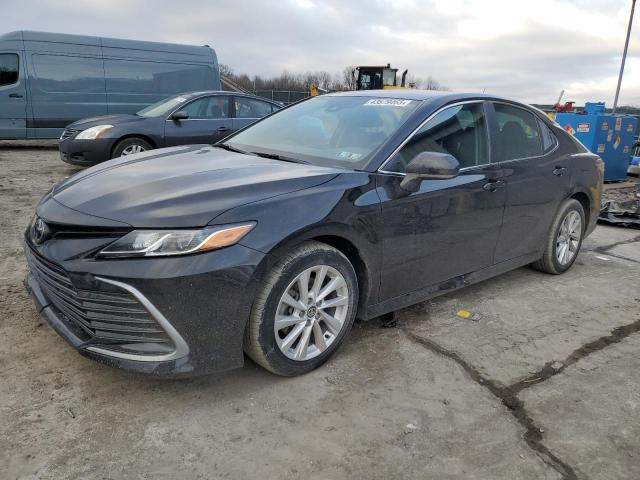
{"x": 114, "y": 318}
{"x": 68, "y": 133}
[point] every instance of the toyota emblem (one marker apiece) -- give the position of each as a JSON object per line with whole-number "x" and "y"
{"x": 39, "y": 231}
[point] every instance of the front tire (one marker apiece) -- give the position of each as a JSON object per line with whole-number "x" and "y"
{"x": 564, "y": 239}
{"x": 303, "y": 311}
{"x": 129, "y": 146}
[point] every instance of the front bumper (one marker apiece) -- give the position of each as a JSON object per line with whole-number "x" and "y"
{"x": 85, "y": 152}
{"x": 205, "y": 300}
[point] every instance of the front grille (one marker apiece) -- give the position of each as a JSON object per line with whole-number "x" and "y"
{"x": 68, "y": 133}
{"x": 98, "y": 317}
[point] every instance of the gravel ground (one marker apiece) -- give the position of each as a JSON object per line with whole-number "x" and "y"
{"x": 544, "y": 384}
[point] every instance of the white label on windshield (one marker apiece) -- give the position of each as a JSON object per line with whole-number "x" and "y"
{"x": 180, "y": 99}
{"x": 388, "y": 102}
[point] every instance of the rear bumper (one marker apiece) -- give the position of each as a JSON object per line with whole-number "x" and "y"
{"x": 207, "y": 311}
{"x": 85, "y": 152}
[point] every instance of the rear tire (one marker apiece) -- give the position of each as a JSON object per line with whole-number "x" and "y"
{"x": 293, "y": 328}
{"x": 129, "y": 146}
{"x": 564, "y": 239}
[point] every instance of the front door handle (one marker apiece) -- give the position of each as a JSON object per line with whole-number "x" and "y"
{"x": 15, "y": 95}
{"x": 559, "y": 171}
{"x": 493, "y": 185}
{"x": 223, "y": 129}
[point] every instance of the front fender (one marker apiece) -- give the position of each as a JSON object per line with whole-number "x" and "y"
{"x": 346, "y": 208}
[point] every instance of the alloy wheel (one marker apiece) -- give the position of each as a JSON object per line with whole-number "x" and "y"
{"x": 131, "y": 149}
{"x": 311, "y": 312}
{"x": 568, "y": 239}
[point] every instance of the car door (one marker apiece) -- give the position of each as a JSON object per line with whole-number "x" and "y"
{"x": 448, "y": 227}
{"x": 247, "y": 110}
{"x": 209, "y": 121}
{"x": 537, "y": 178}
{"x": 13, "y": 96}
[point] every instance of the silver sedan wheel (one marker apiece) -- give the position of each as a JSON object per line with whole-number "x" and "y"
{"x": 311, "y": 312}
{"x": 568, "y": 239}
{"x": 131, "y": 149}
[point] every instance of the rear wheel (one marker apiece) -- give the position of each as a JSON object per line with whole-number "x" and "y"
{"x": 129, "y": 146}
{"x": 304, "y": 310}
{"x": 564, "y": 239}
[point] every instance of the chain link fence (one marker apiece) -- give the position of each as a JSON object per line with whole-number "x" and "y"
{"x": 283, "y": 96}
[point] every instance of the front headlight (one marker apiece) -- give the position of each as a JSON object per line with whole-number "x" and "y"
{"x": 154, "y": 243}
{"x": 93, "y": 132}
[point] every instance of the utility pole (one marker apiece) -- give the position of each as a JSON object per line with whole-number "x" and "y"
{"x": 624, "y": 56}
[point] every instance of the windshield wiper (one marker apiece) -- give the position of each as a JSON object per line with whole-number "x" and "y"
{"x": 275, "y": 156}
{"x": 224, "y": 146}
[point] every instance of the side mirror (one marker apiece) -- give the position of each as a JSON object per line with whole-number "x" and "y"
{"x": 179, "y": 115}
{"x": 429, "y": 166}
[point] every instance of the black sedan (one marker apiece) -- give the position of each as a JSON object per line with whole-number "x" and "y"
{"x": 199, "y": 117}
{"x": 180, "y": 261}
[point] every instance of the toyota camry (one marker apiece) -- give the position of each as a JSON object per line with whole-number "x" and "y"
{"x": 269, "y": 244}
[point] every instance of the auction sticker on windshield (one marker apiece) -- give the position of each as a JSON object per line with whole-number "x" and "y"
{"x": 390, "y": 102}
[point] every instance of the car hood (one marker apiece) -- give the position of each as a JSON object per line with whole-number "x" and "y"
{"x": 114, "y": 120}
{"x": 182, "y": 186}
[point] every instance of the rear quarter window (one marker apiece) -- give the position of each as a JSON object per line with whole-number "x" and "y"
{"x": 549, "y": 140}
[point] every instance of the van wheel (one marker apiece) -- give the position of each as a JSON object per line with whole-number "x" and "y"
{"x": 564, "y": 239}
{"x": 129, "y": 146}
{"x": 303, "y": 311}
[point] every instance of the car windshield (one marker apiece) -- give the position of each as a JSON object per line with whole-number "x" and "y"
{"x": 341, "y": 131}
{"x": 162, "y": 108}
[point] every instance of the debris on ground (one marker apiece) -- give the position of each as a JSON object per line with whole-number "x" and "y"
{"x": 621, "y": 207}
{"x": 467, "y": 315}
{"x": 410, "y": 428}
{"x": 557, "y": 365}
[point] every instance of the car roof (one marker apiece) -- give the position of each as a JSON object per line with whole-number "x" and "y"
{"x": 202, "y": 93}
{"x": 404, "y": 93}
{"x": 427, "y": 95}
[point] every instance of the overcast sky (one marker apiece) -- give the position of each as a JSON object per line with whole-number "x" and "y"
{"x": 529, "y": 50}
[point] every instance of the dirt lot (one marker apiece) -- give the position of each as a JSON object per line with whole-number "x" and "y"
{"x": 546, "y": 384}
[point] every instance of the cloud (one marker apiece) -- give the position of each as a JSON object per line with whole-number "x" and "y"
{"x": 526, "y": 50}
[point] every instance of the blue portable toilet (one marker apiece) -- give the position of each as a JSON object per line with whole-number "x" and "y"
{"x": 610, "y": 136}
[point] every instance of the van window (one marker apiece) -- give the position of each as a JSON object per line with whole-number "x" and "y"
{"x": 8, "y": 69}
{"x": 127, "y": 76}
{"x": 61, "y": 73}
{"x": 518, "y": 134}
{"x": 460, "y": 131}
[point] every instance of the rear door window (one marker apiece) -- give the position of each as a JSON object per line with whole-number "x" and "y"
{"x": 251, "y": 108}
{"x": 9, "y": 64}
{"x": 518, "y": 134}
{"x": 460, "y": 131}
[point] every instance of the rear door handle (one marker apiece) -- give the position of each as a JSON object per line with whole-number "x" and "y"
{"x": 493, "y": 185}
{"x": 15, "y": 95}
{"x": 223, "y": 129}
{"x": 559, "y": 171}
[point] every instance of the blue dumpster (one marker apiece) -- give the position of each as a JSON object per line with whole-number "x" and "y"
{"x": 610, "y": 136}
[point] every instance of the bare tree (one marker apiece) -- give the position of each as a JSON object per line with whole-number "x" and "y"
{"x": 300, "y": 82}
{"x": 431, "y": 84}
{"x": 349, "y": 78}
{"x": 225, "y": 70}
